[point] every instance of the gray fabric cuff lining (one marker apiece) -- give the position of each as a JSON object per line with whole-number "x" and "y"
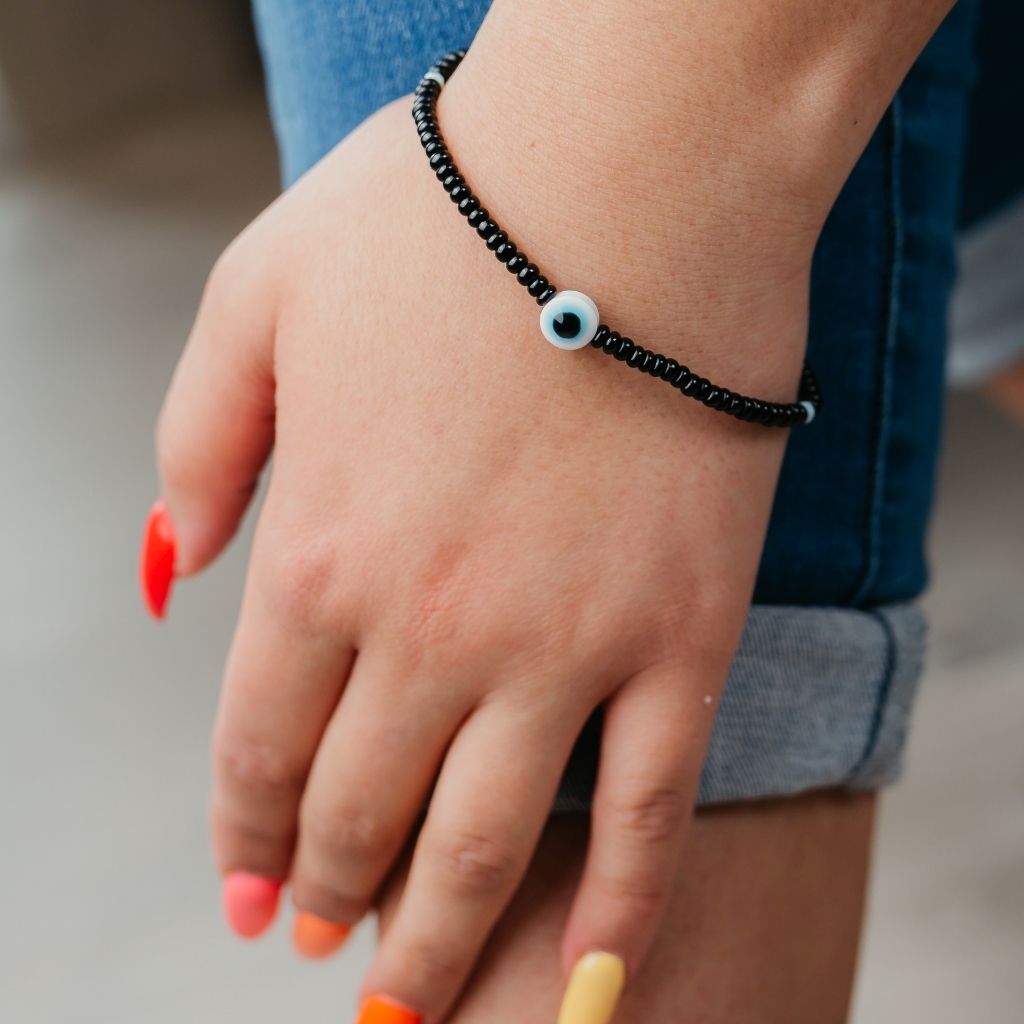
{"x": 816, "y": 697}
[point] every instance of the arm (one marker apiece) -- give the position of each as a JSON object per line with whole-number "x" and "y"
{"x": 470, "y": 540}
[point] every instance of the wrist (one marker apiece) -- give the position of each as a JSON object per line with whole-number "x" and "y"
{"x": 697, "y": 265}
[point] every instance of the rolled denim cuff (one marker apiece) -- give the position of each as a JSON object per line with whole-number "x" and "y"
{"x": 816, "y": 698}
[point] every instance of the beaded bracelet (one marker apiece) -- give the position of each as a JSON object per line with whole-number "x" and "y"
{"x": 569, "y": 319}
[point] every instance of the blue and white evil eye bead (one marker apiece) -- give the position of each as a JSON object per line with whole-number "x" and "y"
{"x": 569, "y": 320}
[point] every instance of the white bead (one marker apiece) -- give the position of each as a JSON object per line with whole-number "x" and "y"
{"x": 809, "y": 406}
{"x": 574, "y": 304}
{"x": 435, "y": 76}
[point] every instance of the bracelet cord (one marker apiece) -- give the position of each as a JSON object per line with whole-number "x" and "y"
{"x": 624, "y": 349}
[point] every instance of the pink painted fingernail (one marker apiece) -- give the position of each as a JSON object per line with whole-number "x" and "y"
{"x": 250, "y": 903}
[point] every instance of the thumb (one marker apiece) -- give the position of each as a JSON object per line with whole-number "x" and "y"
{"x": 216, "y": 428}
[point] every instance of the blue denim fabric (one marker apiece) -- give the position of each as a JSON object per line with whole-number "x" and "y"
{"x": 820, "y": 691}
{"x": 994, "y": 171}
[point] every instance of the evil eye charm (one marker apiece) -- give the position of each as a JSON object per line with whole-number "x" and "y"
{"x": 569, "y": 320}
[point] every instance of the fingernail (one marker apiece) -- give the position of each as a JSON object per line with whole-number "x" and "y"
{"x": 593, "y": 990}
{"x": 250, "y": 903}
{"x": 383, "y": 1010}
{"x": 158, "y": 552}
{"x": 315, "y": 938}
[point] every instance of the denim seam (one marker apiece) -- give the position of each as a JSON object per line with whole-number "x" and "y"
{"x": 884, "y": 689}
{"x": 884, "y": 398}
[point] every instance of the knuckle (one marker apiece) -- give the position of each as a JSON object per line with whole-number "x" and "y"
{"x": 257, "y": 766}
{"x": 327, "y": 900}
{"x": 428, "y": 964}
{"x": 260, "y": 847}
{"x": 638, "y": 897}
{"x": 476, "y": 865}
{"x": 348, "y": 835}
{"x": 300, "y": 580}
{"x": 649, "y": 813}
{"x": 440, "y": 619}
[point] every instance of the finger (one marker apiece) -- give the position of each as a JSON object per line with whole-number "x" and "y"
{"x": 652, "y": 748}
{"x": 370, "y": 782}
{"x": 282, "y": 683}
{"x": 216, "y": 427}
{"x": 494, "y": 794}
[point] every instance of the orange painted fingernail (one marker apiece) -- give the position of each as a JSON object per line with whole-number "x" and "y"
{"x": 383, "y": 1010}
{"x": 159, "y": 547}
{"x": 250, "y": 903}
{"x": 315, "y": 938}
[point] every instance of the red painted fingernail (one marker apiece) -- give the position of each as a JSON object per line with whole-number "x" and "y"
{"x": 157, "y": 562}
{"x": 250, "y": 903}
{"x": 383, "y": 1010}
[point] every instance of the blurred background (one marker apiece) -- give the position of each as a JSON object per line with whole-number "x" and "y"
{"x": 134, "y": 143}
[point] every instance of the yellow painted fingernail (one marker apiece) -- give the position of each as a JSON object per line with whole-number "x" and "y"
{"x": 593, "y": 990}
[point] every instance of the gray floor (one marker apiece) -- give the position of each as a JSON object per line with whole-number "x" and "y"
{"x": 110, "y": 904}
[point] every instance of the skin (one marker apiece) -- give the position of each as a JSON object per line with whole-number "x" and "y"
{"x": 471, "y": 540}
{"x": 770, "y": 939}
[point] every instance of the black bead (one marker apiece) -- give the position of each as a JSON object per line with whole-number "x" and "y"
{"x": 432, "y": 147}
{"x": 611, "y": 343}
{"x": 537, "y": 285}
{"x": 528, "y": 274}
{"x": 467, "y": 204}
{"x": 451, "y": 180}
{"x": 598, "y": 339}
{"x": 496, "y": 239}
{"x": 626, "y": 346}
{"x": 516, "y": 263}
{"x": 459, "y": 193}
{"x": 443, "y": 169}
{"x": 711, "y": 399}
{"x": 669, "y": 370}
{"x": 505, "y": 252}
{"x": 475, "y": 216}
{"x": 636, "y": 357}
{"x": 547, "y": 295}
{"x": 682, "y": 376}
{"x": 486, "y": 228}
{"x": 653, "y": 365}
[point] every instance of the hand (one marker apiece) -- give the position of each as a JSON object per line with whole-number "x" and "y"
{"x": 471, "y": 540}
